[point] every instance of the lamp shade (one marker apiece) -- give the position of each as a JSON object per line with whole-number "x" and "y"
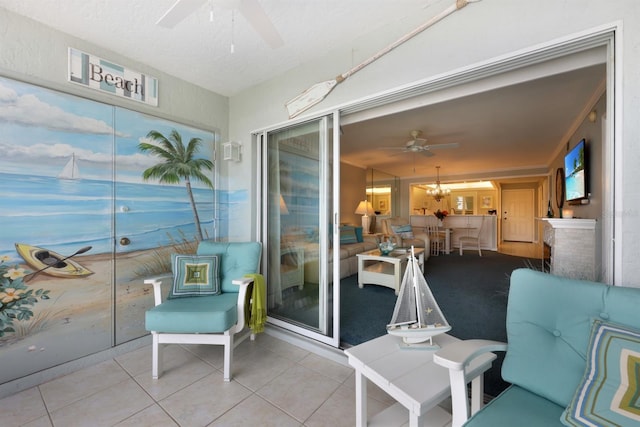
{"x": 364, "y": 207}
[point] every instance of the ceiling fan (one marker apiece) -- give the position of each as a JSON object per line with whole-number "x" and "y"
{"x": 419, "y": 145}
{"x": 250, "y": 9}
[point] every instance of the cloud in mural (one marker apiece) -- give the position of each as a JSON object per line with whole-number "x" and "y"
{"x": 64, "y": 151}
{"x": 29, "y": 110}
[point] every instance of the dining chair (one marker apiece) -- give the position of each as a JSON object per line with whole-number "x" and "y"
{"x": 472, "y": 242}
{"x": 436, "y": 236}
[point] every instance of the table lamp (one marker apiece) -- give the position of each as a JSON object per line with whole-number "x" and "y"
{"x": 364, "y": 207}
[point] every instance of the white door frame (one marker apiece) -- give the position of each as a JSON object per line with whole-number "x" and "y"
{"x": 495, "y": 72}
{"x": 437, "y": 88}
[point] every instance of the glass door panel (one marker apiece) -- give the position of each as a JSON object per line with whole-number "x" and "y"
{"x": 299, "y": 213}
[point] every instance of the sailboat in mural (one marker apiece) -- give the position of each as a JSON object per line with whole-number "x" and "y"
{"x": 70, "y": 170}
{"x": 416, "y": 316}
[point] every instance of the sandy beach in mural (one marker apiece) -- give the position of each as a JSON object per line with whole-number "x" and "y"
{"x": 82, "y": 307}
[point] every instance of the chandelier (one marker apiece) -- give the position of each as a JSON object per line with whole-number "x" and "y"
{"x": 438, "y": 192}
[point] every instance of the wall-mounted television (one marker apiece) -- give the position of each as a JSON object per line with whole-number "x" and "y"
{"x": 576, "y": 173}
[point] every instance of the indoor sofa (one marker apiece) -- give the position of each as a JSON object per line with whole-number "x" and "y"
{"x": 352, "y": 242}
{"x": 572, "y": 357}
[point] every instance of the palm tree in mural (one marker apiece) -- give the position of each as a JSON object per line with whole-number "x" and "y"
{"x": 178, "y": 163}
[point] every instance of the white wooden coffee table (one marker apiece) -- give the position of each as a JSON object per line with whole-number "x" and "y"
{"x": 410, "y": 377}
{"x": 385, "y": 270}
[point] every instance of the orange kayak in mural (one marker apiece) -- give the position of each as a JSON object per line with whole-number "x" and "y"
{"x": 51, "y": 263}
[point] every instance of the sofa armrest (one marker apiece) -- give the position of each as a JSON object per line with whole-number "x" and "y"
{"x": 427, "y": 241}
{"x": 373, "y": 238}
{"x": 456, "y": 357}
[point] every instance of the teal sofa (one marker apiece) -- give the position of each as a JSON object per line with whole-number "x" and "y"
{"x": 571, "y": 344}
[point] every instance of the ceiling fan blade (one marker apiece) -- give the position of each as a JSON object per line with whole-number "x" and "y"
{"x": 416, "y": 142}
{"x": 257, "y": 17}
{"x": 427, "y": 153}
{"x": 438, "y": 146}
{"x": 180, "y": 10}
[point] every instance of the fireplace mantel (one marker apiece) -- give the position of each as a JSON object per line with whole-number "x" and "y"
{"x": 588, "y": 224}
{"x": 572, "y": 244}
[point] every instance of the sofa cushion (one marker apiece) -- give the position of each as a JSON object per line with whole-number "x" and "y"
{"x": 359, "y": 236}
{"x": 548, "y": 337}
{"x": 517, "y": 407}
{"x": 347, "y": 251}
{"x": 236, "y": 260}
{"x": 608, "y": 392}
{"x": 194, "y": 276}
{"x": 404, "y": 231}
{"x": 348, "y": 235}
{"x": 196, "y": 315}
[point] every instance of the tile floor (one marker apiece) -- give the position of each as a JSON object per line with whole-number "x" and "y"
{"x": 275, "y": 384}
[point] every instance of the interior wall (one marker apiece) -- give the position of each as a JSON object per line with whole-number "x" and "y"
{"x": 352, "y": 191}
{"x": 592, "y": 132}
{"x": 38, "y": 54}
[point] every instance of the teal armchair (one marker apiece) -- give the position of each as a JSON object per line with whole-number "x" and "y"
{"x": 209, "y": 301}
{"x": 572, "y": 357}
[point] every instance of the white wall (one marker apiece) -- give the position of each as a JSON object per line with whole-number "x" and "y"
{"x": 479, "y": 32}
{"x": 37, "y": 54}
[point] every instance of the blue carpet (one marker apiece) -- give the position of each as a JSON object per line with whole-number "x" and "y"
{"x": 364, "y": 313}
{"x": 470, "y": 290}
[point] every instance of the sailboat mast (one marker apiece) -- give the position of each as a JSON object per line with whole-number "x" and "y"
{"x": 415, "y": 287}
{"x": 70, "y": 170}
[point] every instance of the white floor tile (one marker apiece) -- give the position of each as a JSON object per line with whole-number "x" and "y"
{"x": 153, "y": 416}
{"x": 327, "y": 367}
{"x": 205, "y": 400}
{"x": 339, "y": 409}
{"x": 22, "y": 407}
{"x": 104, "y": 408}
{"x": 256, "y": 411}
{"x": 181, "y": 369}
{"x": 275, "y": 384}
{"x": 80, "y": 384}
{"x": 299, "y": 391}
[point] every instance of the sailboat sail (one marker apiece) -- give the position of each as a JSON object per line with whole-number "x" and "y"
{"x": 416, "y": 315}
{"x": 70, "y": 170}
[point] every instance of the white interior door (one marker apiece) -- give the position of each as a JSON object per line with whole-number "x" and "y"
{"x": 518, "y": 215}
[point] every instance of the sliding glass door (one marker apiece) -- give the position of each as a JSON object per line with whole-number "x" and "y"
{"x": 299, "y": 216}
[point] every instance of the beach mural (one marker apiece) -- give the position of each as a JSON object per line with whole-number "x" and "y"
{"x": 94, "y": 198}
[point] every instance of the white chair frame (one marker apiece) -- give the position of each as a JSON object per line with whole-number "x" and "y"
{"x": 472, "y": 241}
{"x": 436, "y": 236}
{"x": 226, "y": 338}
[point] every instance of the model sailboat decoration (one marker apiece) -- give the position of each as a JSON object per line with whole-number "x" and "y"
{"x": 70, "y": 170}
{"x": 416, "y": 317}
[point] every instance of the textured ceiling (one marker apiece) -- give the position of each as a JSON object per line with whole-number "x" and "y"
{"x": 198, "y": 50}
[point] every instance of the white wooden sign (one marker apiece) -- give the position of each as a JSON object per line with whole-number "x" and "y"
{"x": 99, "y": 74}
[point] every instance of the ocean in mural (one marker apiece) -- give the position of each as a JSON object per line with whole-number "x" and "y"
{"x": 64, "y": 215}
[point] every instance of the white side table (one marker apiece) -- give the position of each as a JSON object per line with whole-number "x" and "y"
{"x": 376, "y": 269}
{"x": 410, "y": 377}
